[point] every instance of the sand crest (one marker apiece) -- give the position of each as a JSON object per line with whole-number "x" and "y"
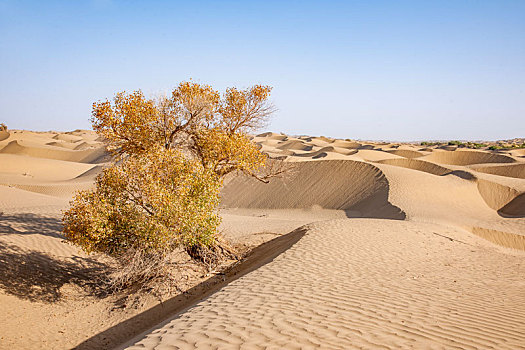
{"x": 369, "y": 245}
{"x": 363, "y": 283}
{"x": 434, "y": 280}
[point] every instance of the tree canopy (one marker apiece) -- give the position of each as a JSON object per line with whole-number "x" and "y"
{"x": 195, "y": 119}
{"x": 171, "y": 154}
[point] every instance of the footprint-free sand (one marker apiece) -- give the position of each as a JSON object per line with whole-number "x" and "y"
{"x": 370, "y": 245}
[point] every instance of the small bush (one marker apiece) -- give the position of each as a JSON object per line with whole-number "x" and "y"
{"x": 455, "y": 143}
{"x": 499, "y": 146}
{"x": 467, "y": 144}
{"x": 427, "y": 143}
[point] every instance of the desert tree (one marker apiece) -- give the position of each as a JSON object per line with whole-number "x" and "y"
{"x": 171, "y": 156}
{"x": 195, "y": 120}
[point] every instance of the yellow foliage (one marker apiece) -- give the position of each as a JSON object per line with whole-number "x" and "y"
{"x": 244, "y": 110}
{"x": 194, "y": 119}
{"x": 128, "y": 124}
{"x": 223, "y": 152}
{"x": 154, "y": 202}
{"x": 172, "y": 155}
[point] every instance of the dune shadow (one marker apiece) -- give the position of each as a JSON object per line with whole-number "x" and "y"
{"x": 30, "y": 224}
{"x": 515, "y": 208}
{"x": 320, "y": 155}
{"x": 37, "y": 276}
{"x": 376, "y": 206}
{"x": 370, "y": 147}
{"x": 462, "y": 174}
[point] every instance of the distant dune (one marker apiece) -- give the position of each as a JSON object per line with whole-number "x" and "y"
{"x": 368, "y": 245}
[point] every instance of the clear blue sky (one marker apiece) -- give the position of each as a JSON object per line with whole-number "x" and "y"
{"x": 397, "y": 70}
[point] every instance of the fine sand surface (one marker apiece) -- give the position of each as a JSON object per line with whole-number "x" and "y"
{"x": 363, "y": 284}
{"x": 406, "y": 268}
{"x": 361, "y": 245}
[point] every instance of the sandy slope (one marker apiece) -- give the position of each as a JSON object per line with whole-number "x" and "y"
{"x": 40, "y": 275}
{"x": 400, "y": 246}
{"x": 432, "y": 281}
{"x": 364, "y": 283}
{"x": 45, "y": 298}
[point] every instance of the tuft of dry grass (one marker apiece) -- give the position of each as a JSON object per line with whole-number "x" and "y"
{"x": 171, "y": 272}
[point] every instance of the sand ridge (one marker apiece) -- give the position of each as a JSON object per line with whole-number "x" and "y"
{"x": 441, "y": 277}
{"x": 401, "y": 246}
{"x": 462, "y": 179}
{"x": 353, "y": 284}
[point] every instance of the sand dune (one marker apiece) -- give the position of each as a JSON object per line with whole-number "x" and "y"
{"x": 363, "y": 283}
{"x": 61, "y": 144}
{"x": 518, "y": 153}
{"x": 502, "y": 238}
{"x": 346, "y": 144}
{"x": 90, "y": 174}
{"x": 294, "y": 145}
{"x": 40, "y": 163}
{"x": 468, "y": 157}
{"x": 497, "y": 195}
{"x": 368, "y": 245}
{"x": 462, "y": 184}
{"x": 504, "y": 197}
{"x": 447, "y": 147}
{"x": 512, "y": 170}
{"x": 324, "y": 151}
{"x": 407, "y": 153}
{"x": 50, "y": 152}
{"x": 356, "y": 187}
{"x": 56, "y": 189}
{"x": 419, "y": 165}
{"x": 84, "y": 145}
{"x": 68, "y": 137}
{"x": 76, "y": 146}
{"x": 273, "y": 136}
{"x": 371, "y": 155}
{"x": 41, "y": 168}
{"x": 15, "y": 200}
{"x": 449, "y": 200}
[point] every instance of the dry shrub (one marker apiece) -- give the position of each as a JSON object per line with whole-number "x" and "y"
{"x": 139, "y": 270}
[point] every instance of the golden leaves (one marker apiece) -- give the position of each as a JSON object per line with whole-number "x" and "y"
{"x": 245, "y": 110}
{"x": 128, "y": 123}
{"x": 173, "y": 153}
{"x": 195, "y": 119}
{"x": 151, "y": 202}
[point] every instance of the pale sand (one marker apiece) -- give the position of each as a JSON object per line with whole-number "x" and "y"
{"x": 363, "y": 283}
{"x": 399, "y": 246}
{"x": 43, "y": 303}
{"x": 366, "y": 283}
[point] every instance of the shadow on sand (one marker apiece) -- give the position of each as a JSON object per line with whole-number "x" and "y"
{"x": 30, "y": 224}
{"x": 138, "y": 326}
{"x": 37, "y": 276}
